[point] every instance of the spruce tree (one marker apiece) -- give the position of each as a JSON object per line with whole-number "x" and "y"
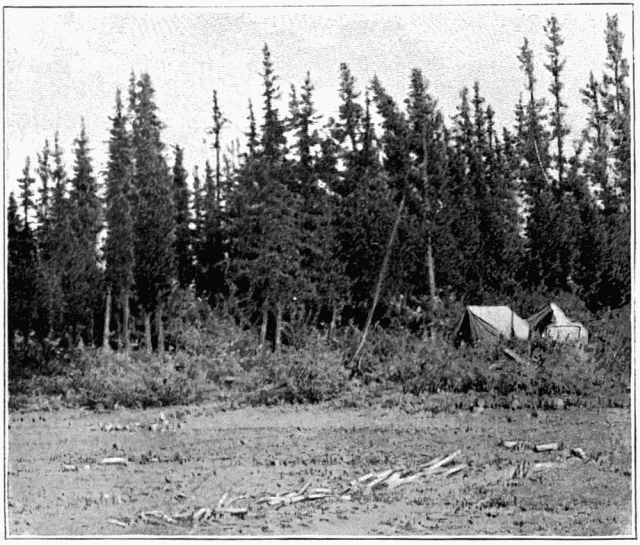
{"x": 22, "y": 269}
{"x": 252, "y": 135}
{"x": 183, "y": 248}
{"x": 197, "y": 232}
{"x": 558, "y": 113}
{"x": 273, "y": 140}
{"x": 56, "y": 278}
{"x": 14, "y": 280}
{"x": 549, "y": 242}
{"x": 86, "y": 225}
{"x": 119, "y": 244}
{"x": 44, "y": 173}
{"x": 212, "y": 250}
{"x": 154, "y": 219}
{"x": 350, "y": 112}
{"x": 26, "y": 193}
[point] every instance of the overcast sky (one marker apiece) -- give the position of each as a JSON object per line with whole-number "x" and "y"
{"x": 62, "y": 64}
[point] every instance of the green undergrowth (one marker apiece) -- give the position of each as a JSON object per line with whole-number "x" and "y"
{"x": 215, "y": 360}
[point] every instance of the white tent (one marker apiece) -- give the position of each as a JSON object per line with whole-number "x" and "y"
{"x": 552, "y": 323}
{"x": 489, "y": 324}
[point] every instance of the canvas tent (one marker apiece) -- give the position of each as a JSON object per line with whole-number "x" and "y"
{"x": 489, "y": 324}
{"x": 552, "y": 323}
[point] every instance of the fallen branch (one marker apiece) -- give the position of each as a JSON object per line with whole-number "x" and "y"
{"x": 113, "y": 461}
{"x": 517, "y": 445}
{"x": 547, "y": 447}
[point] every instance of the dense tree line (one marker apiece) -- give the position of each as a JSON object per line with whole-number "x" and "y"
{"x": 294, "y": 232}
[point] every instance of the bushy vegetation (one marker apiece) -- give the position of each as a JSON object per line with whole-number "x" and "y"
{"x": 213, "y": 358}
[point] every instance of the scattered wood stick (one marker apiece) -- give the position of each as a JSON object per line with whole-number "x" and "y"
{"x": 546, "y": 465}
{"x": 221, "y": 501}
{"x": 304, "y": 487}
{"x": 444, "y": 460}
{"x": 114, "y": 461}
{"x": 236, "y": 499}
{"x": 200, "y": 513}
{"x": 455, "y": 469}
{"x": 117, "y": 522}
{"x": 431, "y": 462}
{"x": 517, "y": 445}
{"x": 406, "y": 480}
{"x": 579, "y": 453}
{"x": 380, "y": 477}
{"x": 547, "y": 447}
{"x": 236, "y": 511}
{"x": 362, "y": 479}
{"x": 394, "y": 479}
{"x": 320, "y": 491}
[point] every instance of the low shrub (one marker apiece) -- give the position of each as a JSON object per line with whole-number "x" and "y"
{"x": 308, "y": 375}
{"x": 109, "y": 380}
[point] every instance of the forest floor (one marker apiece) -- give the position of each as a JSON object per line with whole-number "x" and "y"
{"x": 184, "y": 458}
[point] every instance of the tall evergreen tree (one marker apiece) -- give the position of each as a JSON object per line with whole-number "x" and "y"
{"x": 549, "y": 242}
{"x": 183, "y": 247}
{"x": 44, "y": 173}
{"x": 154, "y": 219}
{"x": 273, "y": 140}
{"x": 252, "y": 135}
{"x": 22, "y": 269}
{"x": 350, "y": 112}
{"x": 86, "y": 224}
{"x": 26, "y": 193}
{"x": 218, "y": 123}
{"x": 558, "y": 113}
{"x": 212, "y": 249}
{"x": 56, "y": 276}
{"x": 119, "y": 244}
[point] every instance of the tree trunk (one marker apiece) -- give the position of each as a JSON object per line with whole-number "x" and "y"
{"x": 146, "y": 317}
{"x": 263, "y": 331}
{"x": 430, "y": 267}
{"x": 381, "y": 274}
{"x": 160, "y": 328}
{"x": 432, "y": 286}
{"x": 92, "y": 327}
{"x": 332, "y": 324}
{"x": 125, "y": 341}
{"x": 278, "y": 342}
{"x": 107, "y": 322}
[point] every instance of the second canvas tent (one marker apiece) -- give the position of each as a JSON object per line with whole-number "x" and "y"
{"x": 552, "y": 323}
{"x": 489, "y": 324}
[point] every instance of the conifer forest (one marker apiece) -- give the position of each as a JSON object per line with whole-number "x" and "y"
{"x": 315, "y": 231}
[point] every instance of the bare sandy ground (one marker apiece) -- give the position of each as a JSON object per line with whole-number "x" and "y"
{"x": 193, "y": 455}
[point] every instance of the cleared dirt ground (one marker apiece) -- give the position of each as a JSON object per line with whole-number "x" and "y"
{"x": 257, "y": 452}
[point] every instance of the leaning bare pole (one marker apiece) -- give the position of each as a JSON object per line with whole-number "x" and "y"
{"x": 381, "y": 274}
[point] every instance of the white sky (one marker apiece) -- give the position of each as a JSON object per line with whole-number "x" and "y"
{"x": 65, "y": 63}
